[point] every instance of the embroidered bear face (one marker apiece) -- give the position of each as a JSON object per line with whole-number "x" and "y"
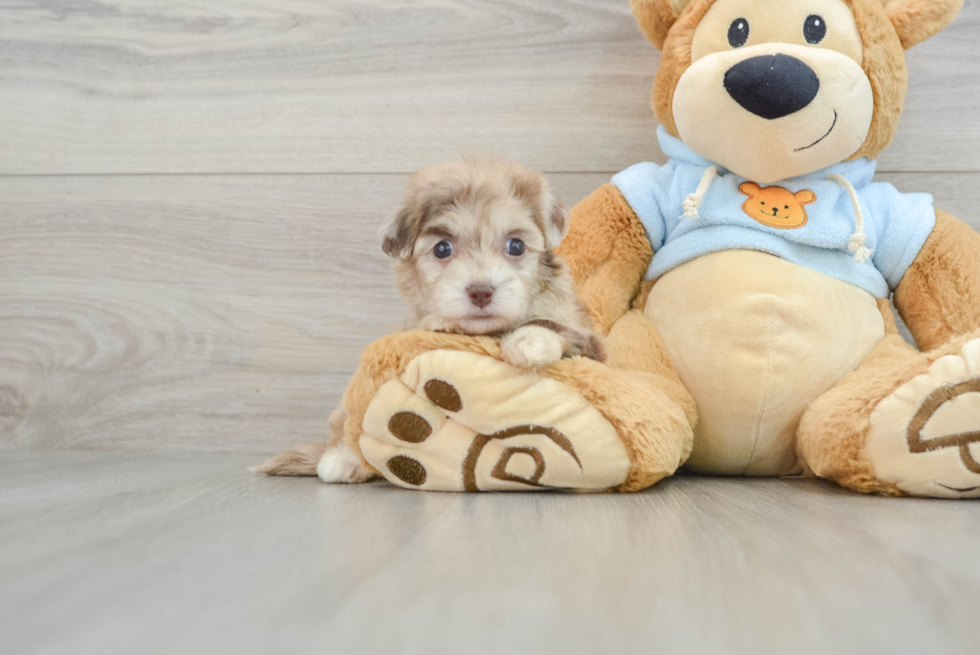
{"x": 773, "y": 89}
{"x": 775, "y": 206}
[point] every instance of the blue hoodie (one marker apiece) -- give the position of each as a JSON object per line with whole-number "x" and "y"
{"x": 896, "y": 225}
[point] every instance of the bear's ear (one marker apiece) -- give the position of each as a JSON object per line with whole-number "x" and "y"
{"x": 917, "y": 20}
{"x": 805, "y": 197}
{"x": 655, "y": 17}
{"x": 751, "y": 189}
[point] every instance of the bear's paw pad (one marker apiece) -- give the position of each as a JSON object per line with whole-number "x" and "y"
{"x": 925, "y": 436}
{"x": 457, "y": 421}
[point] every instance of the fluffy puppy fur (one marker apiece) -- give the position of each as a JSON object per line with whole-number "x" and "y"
{"x": 473, "y": 244}
{"x": 474, "y": 254}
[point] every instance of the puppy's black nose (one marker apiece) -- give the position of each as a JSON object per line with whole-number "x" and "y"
{"x": 480, "y": 294}
{"x": 772, "y": 86}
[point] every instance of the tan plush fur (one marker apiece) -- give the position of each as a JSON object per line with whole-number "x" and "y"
{"x": 939, "y": 298}
{"x": 917, "y": 20}
{"x": 655, "y": 18}
{"x": 607, "y": 251}
{"x": 832, "y": 434}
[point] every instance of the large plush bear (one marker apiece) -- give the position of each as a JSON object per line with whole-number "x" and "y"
{"x": 743, "y": 288}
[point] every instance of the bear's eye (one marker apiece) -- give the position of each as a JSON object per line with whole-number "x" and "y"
{"x": 786, "y": 207}
{"x": 738, "y": 32}
{"x": 763, "y": 202}
{"x": 814, "y": 29}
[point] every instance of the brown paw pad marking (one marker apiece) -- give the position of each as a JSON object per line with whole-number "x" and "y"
{"x": 500, "y": 468}
{"x": 410, "y": 427}
{"x": 407, "y": 470}
{"x": 935, "y": 400}
{"x": 443, "y": 395}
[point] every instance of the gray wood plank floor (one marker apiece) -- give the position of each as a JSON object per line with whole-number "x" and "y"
{"x": 190, "y": 553}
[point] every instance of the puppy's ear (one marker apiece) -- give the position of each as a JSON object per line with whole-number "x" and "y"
{"x": 552, "y": 219}
{"x": 556, "y": 225}
{"x": 656, "y": 17}
{"x": 917, "y": 20}
{"x": 398, "y": 232}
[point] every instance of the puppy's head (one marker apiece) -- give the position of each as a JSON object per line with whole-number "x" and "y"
{"x": 473, "y": 242}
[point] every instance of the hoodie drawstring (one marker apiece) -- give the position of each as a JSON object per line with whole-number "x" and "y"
{"x": 857, "y": 240}
{"x": 855, "y": 244}
{"x": 694, "y": 200}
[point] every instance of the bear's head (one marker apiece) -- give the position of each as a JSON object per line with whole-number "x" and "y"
{"x": 772, "y": 89}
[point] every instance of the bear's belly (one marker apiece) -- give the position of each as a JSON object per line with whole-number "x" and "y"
{"x": 756, "y": 339}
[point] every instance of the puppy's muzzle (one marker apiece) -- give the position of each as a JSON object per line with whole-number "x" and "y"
{"x": 480, "y": 295}
{"x": 772, "y": 86}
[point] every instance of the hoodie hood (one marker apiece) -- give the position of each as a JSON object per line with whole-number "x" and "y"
{"x": 836, "y": 220}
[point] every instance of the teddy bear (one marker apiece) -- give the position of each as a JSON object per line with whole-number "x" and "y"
{"x": 743, "y": 289}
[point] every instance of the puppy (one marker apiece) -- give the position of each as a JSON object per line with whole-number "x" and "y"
{"x": 474, "y": 254}
{"x": 473, "y": 244}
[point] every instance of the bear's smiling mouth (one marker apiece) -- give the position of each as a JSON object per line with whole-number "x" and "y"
{"x": 832, "y": 126}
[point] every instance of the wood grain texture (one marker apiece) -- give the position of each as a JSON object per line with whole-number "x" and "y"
{"x": 189, "y": 312}
{"x": 154, "y": 86}
{"x": 107, "y": 553}
{"x": 208, "y": 312}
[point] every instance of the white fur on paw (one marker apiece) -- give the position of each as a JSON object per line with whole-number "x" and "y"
{"x": 925, "y": 436}
{"x": 341, "y": 465}
{"x": 532, "y": 346}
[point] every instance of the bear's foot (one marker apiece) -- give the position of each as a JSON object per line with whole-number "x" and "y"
{"x": 458, "y": 421}
{"x": 925, "y": 436}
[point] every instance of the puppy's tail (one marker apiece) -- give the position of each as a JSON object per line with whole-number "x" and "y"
{"x": 301, "y": 460}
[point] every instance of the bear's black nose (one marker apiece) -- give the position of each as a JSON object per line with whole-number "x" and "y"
{"x": 772, "y": 86}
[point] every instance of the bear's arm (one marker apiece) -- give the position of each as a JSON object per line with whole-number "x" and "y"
{"x": 608, "y": 253}
{"x": 939, "y": 297}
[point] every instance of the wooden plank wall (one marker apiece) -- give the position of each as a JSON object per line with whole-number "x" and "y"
{"x": 189, "y": 192}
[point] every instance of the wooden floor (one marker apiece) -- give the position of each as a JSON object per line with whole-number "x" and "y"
{"x": 190, "y": 553}
{"x": 189, "y": 198}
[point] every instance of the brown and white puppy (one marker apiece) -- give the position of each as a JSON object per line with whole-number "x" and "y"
{"x": 473, "y": 244}
{"x": 474, "y": 254}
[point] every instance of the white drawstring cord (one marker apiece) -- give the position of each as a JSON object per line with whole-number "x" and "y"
{"x": 694, "y": 200}
{"x": 856, "y": 243}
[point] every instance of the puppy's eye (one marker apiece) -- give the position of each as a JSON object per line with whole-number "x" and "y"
{"x": 515, "y": 247}
{"x": 443, "y": 249}
{"x": 738, "y": 32}
{"x": 814, "y": 29}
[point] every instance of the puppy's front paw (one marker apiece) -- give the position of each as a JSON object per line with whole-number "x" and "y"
{"x": 532, "y": 346}
{"x": 341, "y": 465}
